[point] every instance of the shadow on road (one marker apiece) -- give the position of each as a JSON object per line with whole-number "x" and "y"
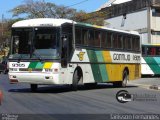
{"x": 65, "y": 88}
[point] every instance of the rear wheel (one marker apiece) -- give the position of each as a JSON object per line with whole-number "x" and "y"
{"x": 125, "y": 79}
{"x": 34, "y": 87}
{"x": 122, "y": 83}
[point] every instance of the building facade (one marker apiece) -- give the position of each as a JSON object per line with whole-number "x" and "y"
{"x": 137, "y": 15}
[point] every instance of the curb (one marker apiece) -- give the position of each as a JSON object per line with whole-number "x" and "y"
{"x": 155, "y": 87}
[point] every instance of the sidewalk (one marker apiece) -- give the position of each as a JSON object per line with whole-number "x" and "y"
{"x": 150, "y": 83}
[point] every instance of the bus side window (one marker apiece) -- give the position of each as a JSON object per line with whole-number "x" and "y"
{"x": 115, "y": 41}
{"x": 91, "y": 38}
{"x": 109, "y": 40}
{"x": 78, "y": 36}
{"x": 97, "y": 38}
{"x": 135, "y": 44}
{"x": 120, "y": 41}
{"x": 143, "y": 51}
{"x": 84, "y": 37}
{"x": 127, "y": 43}
{"x": 103, "y": 39}
{"x": 130, "y": 43}
{"x": 151, "y": 51}
{"x": 158, "y": 51}
{"x": 138, "y": 44}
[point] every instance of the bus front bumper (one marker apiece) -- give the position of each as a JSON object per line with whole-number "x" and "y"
{"x": 34, "y": 78}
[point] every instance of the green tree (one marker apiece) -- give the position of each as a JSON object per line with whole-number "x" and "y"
{"x": 40, "y": 9}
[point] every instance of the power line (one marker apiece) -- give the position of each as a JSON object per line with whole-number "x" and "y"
{"x": 76, "y": 3}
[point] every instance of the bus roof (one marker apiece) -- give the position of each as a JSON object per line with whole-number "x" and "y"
{"x": 150, "y": 44}
{"x": 46, "y": 22}
{"x": 41, "y": 22}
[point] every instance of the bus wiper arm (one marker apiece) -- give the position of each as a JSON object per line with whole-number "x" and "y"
{"x": 19, "y": 58}
{"x": 38, "y": 56}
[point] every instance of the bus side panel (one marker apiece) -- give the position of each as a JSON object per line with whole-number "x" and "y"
{"x": 151, "y": 65}
{"x": 80, "y": 58}
{"x": 97, "y": 65}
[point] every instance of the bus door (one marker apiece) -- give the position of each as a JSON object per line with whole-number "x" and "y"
{"x": 67, "y": 43}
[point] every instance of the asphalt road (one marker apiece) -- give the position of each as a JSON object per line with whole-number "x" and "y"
{"x": 61, "y": 100}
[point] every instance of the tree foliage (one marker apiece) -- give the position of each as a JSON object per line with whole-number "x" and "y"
{"x": 40, "y": 9}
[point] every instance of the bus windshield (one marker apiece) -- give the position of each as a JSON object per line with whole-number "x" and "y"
{"x": 33, "y": 43}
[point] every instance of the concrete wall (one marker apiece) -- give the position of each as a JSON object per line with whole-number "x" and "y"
{"x": 134, "y": 21}
{"x": 155, "y": 24}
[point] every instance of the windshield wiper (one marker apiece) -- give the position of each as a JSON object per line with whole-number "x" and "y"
{"x": 19, "y": 58}
{"x": 38, "y": 56}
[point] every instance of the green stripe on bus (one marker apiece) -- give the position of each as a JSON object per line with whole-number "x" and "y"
{"x": 157, "y": 59}
{"x": 153, "y": 64}
{"x": 33, "y": 65}
{"x": 102, "y": 67}
{"x": 39, "y": 65}
{"x": 95, "y": 67}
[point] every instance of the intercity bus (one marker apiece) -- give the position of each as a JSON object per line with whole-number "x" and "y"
{"x": 150, "y": 60}
{"x": 59, "y": 51}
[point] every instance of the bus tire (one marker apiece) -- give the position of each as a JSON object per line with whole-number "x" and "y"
{"x": 122, "y": 83}
{"x": 75, "y": 81}
{"x": 90, "y": 85}
{"x": 125, "y": 78}
{"x": 34, "y": 87}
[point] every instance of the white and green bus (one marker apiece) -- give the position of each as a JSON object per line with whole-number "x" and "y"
{"x": 59, "y": 51}
{"x": 150, "y": 60}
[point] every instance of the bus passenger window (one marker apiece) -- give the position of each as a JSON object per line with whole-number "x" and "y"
{"x": 120, "y": 41}
{"x": 115, "y": 41}
{"x": 130, "y": 43}
{"x": 91, "y": 38}
{"x": 109, "y": 40}
{"x": 127, "y": 43}
{"x": 158, "y": 51}
{"x": 84, "y": 37}
{"x": 135, "y": 44}
{"x": 103, "y": 40}
{"x": 143, "y": 51}
{"x": 78, "y": 36}
{"x": 151, "y": 51}
{"x": 97, "y": 38}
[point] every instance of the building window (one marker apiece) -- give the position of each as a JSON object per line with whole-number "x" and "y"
{"x": 156, "y": 12}
{"x": 155, "y": 32}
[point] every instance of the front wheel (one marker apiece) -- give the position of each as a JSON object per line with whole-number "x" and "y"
{"x": 75, "y": 81}
{"x": 34, "y": 87}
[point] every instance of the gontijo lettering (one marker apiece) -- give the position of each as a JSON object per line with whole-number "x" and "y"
{"x": 125, "y": 57}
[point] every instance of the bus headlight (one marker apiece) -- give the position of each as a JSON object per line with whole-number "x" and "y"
{"x": 13, "y": 69}
{"x": 48, "y": 70}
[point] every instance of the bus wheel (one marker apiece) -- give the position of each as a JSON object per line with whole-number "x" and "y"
{"x": 90, "y": 85}
{"x": 122, "y": 83}
{"x": 34, "y": 87}
{"x": 75, "y": 81}
{"x": 125, "y": 79}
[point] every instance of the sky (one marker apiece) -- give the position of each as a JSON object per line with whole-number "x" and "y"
{"x": 88, "y": 6}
